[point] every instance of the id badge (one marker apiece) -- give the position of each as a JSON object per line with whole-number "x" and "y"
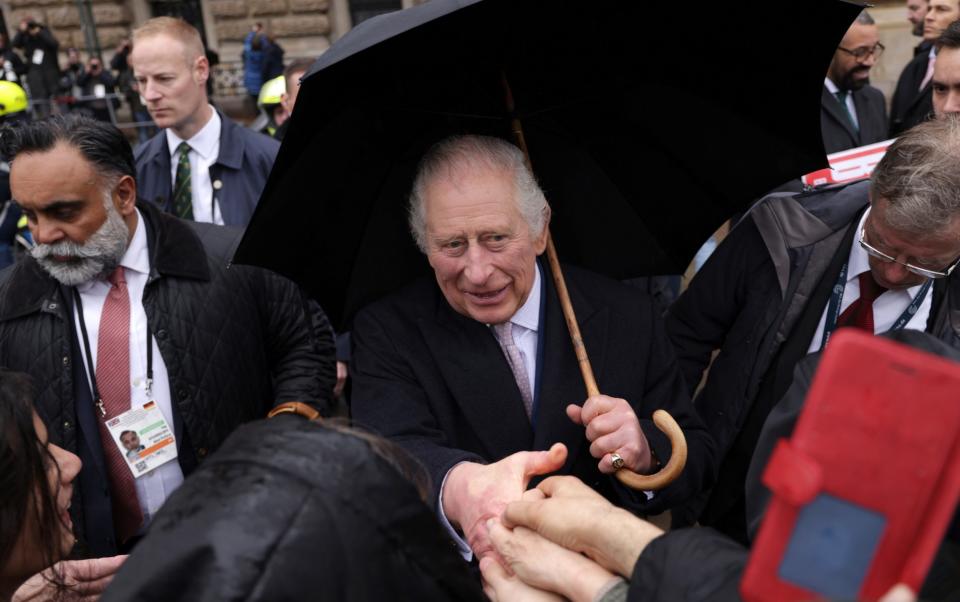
{"x": 37, "y": 58}
{"x": 99, "y": 90}
{"x": 144, "y": 438}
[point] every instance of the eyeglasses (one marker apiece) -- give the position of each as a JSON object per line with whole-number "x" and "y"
{"x": 863, "y": 52}
{"x": 874, "y": 252}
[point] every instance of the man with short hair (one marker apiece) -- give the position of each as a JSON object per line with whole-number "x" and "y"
{"x": 946, "y": 72}
{"x": 201, "y": 166}
{"x": 852, "y": 112}
{"x": 912, "y": 100}
{"x": 131, "y": 319}
{"x": 916, "y": 11}
{"x": 872, "y": 255}
{"x": 291, "y": 77}
{"x": 476, "y": 364}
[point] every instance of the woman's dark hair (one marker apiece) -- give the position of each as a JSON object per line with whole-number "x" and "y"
{"x": 100, "y": 143}
{"x": 394, "y": 455}
{"x": 25, "y": 492}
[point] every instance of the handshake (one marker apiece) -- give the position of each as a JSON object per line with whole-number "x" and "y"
{"x": 562, "y": 540}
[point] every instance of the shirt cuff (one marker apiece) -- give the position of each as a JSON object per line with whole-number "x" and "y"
{"x": 462, "y": 546}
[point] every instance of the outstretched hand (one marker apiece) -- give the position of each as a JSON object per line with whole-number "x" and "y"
{"x": 86, "y": 580}
{"x": 576, "y": 517}
{"x": 540, "y": 563}
{"x": 474, "y": 492}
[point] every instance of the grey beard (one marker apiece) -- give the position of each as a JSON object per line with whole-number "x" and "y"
{"x": 96, "y": 257}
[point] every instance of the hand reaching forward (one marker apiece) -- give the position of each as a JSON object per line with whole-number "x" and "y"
{"x": 85, "y": 580}
{"x": 577, "y": 518}
{"x": 474, "y": 493}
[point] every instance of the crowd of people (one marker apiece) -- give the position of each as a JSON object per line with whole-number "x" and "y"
{"x": 138, "y": 365}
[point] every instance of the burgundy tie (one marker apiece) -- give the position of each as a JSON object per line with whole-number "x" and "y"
{"x": 113, "y": 381}
{"x": 859, "y": 314}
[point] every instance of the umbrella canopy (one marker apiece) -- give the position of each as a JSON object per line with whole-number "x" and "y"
{"x": 645, "y": 133}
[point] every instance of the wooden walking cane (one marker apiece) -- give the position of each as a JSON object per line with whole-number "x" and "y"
{"x": 661, "y": 418}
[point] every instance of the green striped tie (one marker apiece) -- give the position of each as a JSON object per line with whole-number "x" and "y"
{"x": 182, "y": 196}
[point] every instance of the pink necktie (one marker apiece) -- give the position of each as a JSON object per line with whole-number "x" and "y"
{"x": 504, "y": 334}
{"x": 113, "y": 381}
{"x": 929, "y": 75}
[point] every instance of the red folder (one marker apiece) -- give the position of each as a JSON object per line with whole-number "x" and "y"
{"x": 864, "y": 490}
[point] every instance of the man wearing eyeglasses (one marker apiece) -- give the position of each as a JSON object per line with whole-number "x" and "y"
{"x": 872, "y": 255}
{"x": 852, "y": 112}
{"x": 912, "y": 100}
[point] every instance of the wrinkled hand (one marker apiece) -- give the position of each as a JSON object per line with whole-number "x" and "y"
{"x": 85, "y": 580}
{"x": 474, "y": 493}
{"x": 612, "y": 426}
{"x": 576, "y": 517}
{"x": 501, "y": 586}
{"x": 543, "y": 564}
{"x": 342, "y": 373}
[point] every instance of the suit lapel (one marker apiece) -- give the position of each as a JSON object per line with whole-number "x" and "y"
{"x": 832, "y": 106}
{"x": 479, "y": 379}
{"x": 865, "y": 115}
{"x": 562, "y": 382}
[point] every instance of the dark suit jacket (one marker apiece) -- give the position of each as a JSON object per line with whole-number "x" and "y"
{"x": 437, "y": 382}
{"x": 242, "y": 167}
{"x": 838, "y": 132}
{"x": 911, "y": 105}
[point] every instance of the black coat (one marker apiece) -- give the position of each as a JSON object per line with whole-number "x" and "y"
{"x": 437, "y": 382}
{"x": 753, "y": 301}
{"x": 693, "y": 565}
{"x": 288, "y": 510}
{"x": 838, "y": 132}
{"x": 43, "y": 78}
{"x": 234, "y": 342}
{"x": 242, "y": 168}
{"x": 910, "y": 104}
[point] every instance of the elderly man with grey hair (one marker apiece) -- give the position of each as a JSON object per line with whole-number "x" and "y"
{"x": 874, "y": 255}
{"x": 473, "y": 369}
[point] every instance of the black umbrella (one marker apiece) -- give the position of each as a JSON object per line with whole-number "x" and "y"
{"x": 644, "y": 140}
{"x": 647, "y": 130}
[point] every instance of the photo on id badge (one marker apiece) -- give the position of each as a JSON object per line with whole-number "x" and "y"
{"x": 143, "y": 437}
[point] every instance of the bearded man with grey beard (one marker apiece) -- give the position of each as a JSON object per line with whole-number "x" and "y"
{"x": 129, "y": 318}
{"x": 74, "y": 263}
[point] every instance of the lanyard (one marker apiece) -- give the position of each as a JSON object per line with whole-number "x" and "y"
{"x": 97, "y": 400}
{"x": 833, "y": 308}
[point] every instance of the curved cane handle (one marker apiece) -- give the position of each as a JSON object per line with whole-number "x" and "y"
{"x": 669, "y": 473}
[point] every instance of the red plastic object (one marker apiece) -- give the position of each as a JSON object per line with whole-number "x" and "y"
{"x": 880, "y": 429}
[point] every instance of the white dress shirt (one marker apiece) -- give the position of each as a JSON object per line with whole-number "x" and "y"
{"x": 526, "y": 325}
{"x": 204, "y": 151}
{"x": 888, "y": 306}
{"x": 157, "y": 485}
{"x": 834, "y": 89}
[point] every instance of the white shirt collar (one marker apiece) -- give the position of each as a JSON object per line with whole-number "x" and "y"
{"x": 528, "y": 315}
{"x": 137, "y": 257}
{"x": 204, "y": 142}
{"x": 832, "y": 87}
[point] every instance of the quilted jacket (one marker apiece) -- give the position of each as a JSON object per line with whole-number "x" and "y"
{"x": 236, "y": 340}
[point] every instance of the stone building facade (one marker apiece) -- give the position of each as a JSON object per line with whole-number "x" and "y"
{"x": 304, "y": 28}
